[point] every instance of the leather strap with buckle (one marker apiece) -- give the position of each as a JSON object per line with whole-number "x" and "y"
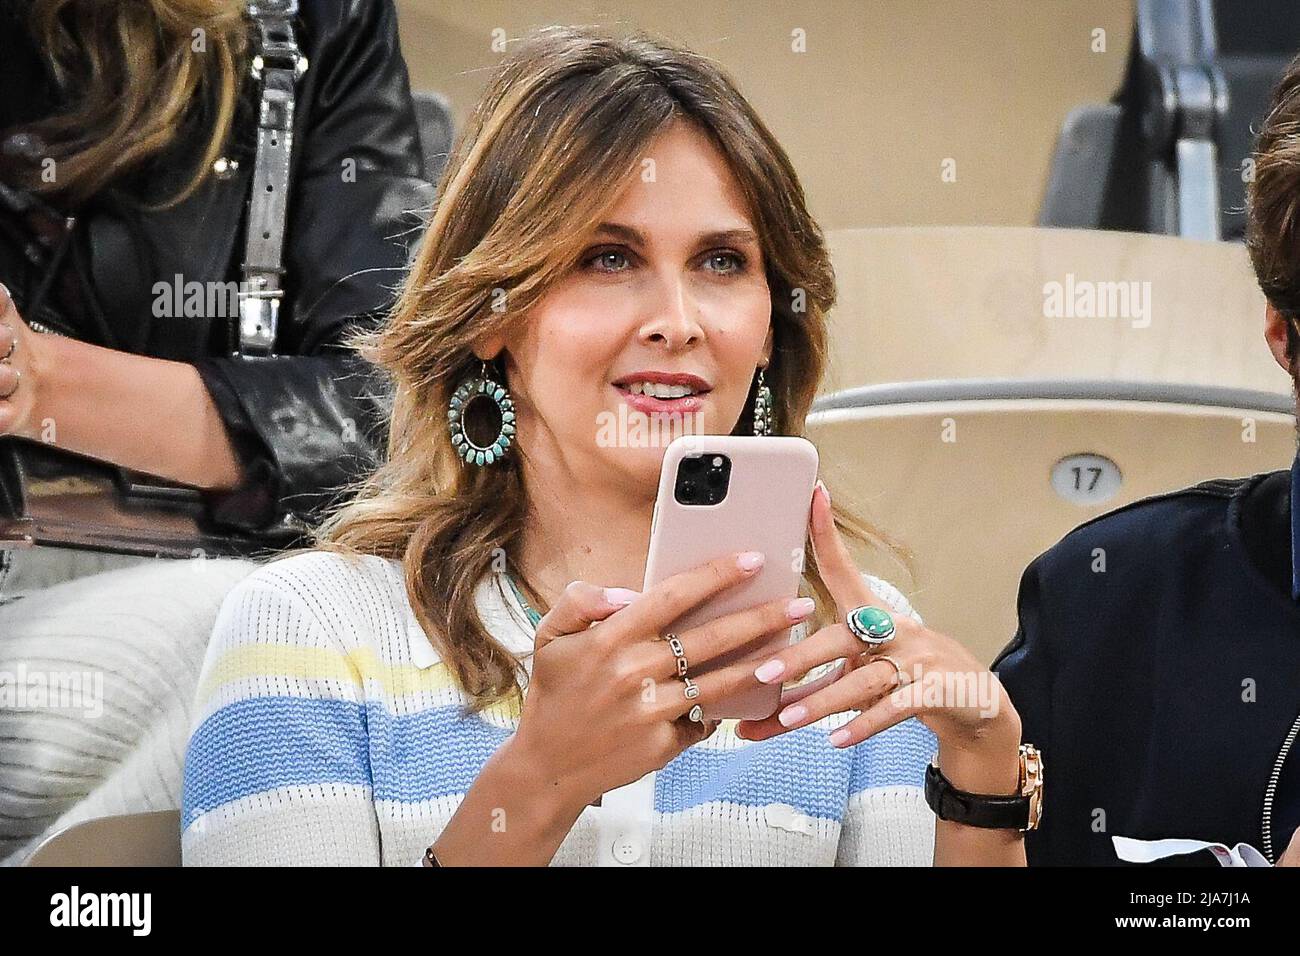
{"x": 278, "y": 64}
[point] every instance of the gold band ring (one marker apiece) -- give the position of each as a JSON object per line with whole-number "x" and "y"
{"x": 898, "y": 670}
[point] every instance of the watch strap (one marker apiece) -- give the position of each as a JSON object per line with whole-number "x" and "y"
{"x": 986, "y": 811}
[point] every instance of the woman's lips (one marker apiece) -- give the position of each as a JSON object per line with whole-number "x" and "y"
{"x": 650, "y": 405}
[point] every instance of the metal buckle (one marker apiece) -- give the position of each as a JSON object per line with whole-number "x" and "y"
{"x": 259, "y": 317}
{"x": 277, "y": 46}
{"x": 288, "y": 59}
{"x": 272, "y": 8}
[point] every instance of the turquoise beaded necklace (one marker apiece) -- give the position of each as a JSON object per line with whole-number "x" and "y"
{"x": 533, "y": 616}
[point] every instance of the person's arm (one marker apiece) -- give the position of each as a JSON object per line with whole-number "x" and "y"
{"x": 277, "y": 772}
{"x": 886, "y": 821}
{"x": 891, "y": 823}
{"x": 284, "y": 434}
{"x": 978, "y": 739}
{"x": 1291, "y": 856}
{"x": 506, "y": 818}
{"x": 992, "y": 768}
{"x": 145, "y": 414}
{"x": 314, "y": 417}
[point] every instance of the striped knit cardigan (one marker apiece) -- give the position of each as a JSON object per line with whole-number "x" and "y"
{"x": 328, "y": 731}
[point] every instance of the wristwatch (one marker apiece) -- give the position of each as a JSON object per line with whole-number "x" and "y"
{"x": 1021, "y": 811}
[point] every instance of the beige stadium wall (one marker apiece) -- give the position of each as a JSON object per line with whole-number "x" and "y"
{"x": 886, "y": 91}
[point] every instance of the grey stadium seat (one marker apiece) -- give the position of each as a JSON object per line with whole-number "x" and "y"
{"x": 437, "y": 131}
{"x": 976, "y": 478}
{"x": 1166, "y": 155}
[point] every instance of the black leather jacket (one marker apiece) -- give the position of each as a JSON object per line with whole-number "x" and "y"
{"x": 313, "y": 417}
{"x": 1161, "y": 684}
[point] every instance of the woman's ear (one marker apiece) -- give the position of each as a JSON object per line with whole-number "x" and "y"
{"x": 1275, "y": 332}
{"x": 489, "y": 349}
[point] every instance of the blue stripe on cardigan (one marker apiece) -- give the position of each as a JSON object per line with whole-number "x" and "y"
{"x": 266, "y": 742}
{"x": 800, "y": 768}
{"x": 259, "y": 744}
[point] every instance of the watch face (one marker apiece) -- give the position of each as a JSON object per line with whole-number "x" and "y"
{"x": 1035, "y": 812}
{"x": 1031, "y": 783}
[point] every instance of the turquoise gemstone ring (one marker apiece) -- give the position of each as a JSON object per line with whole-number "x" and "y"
{"x": 871, "y": 625}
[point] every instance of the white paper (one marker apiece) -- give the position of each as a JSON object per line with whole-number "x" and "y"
{"x": 1148, "y": 851}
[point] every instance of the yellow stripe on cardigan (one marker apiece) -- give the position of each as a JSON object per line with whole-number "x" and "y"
{"x": 355, "y": 667}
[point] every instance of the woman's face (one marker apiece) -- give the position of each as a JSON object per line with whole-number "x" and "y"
{"x": 658, "y": 330}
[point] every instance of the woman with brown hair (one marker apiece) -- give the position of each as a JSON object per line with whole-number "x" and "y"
{"x": 459, "y": 672}
{"x": 130, "y": 136}
{"x": 136, "y": 124}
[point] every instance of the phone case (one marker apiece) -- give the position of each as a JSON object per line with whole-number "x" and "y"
{"x": 766, "y": 509}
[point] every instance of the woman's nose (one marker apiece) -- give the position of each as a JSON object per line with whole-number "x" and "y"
{"x": 675, "y": 319}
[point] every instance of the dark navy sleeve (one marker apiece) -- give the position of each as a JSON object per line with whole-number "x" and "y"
{"x": 1026, "y": 670}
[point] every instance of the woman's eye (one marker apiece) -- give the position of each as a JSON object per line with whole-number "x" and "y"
{"x": 725, "y": 262}
{"x": 616, "y": 260}
{"x": 609, "y": 260}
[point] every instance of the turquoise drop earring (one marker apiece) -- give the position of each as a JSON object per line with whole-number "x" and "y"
{"x": 482, "y": 447}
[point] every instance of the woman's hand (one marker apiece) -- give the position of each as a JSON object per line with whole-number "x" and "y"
{"x": 18, "y": 372}
{"x": 1291, "y": 857}
{"x": 940, "y": 683}
{"x": 605, "y": 704}
{"x": 98, "y": 399}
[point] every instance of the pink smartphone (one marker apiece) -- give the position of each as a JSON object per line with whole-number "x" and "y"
{"x": 725, "y": 493}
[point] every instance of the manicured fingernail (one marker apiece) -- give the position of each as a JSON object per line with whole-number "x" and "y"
{"x": 840, "y": 736}
{"x": 770, "y": 671}
{"x": 792, "y": 715}
{"x": 620, "y": 596}
{"x": 825, "y": 491}
{"x": 800, "y": 608}
{"x": 750, "y": 560}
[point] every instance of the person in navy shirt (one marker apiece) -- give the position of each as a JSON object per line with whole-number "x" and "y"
{"x": 1163, "y": 687}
